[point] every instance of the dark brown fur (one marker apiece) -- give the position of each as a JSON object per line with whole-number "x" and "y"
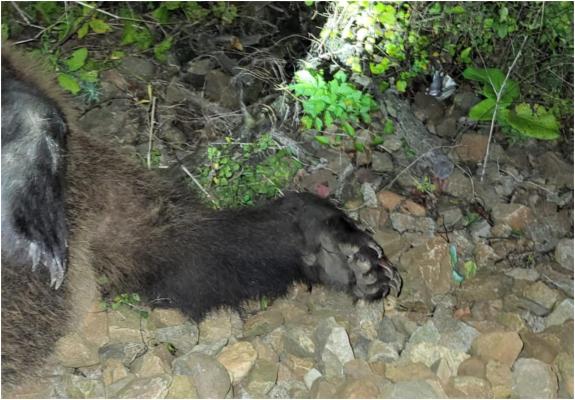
{"x": 147, "y": 236}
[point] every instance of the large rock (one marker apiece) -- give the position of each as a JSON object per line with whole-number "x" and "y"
{"x": 533, "y": 379}
{"x": 470, "y": 387}
{"x": 74, "y": 352}
{"x": 182, "y": 337}
{"x": 430, "y": 263}
{"x": 472, "y": 147}
{"x": 262, "y": 378}
{"x": 555, "y": 170}
{"x": 542, "y": 295}
{"x": 238, "y": 359}
{"x": 517, "y": 216}
{"x": 562, "y": 312}
{"x": 210, "y": 377}
{"x": 564, "y": 366}
{"x": 408, "y": 223}
{"x": 332, "y": 347}
{"x": 499, "y": 376}
{"x": 415, "y": 389}
{"x": 499, "y": 346}
{"x": 146, "y": 388}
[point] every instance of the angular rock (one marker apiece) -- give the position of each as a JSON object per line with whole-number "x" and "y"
{"x": 430, "y": 263}
{"x": 333, "y": 347}
{"x": 380, "y": 351}
{"x": 564, "y": 366}
{"x": 74, "y": 352}
{"x": 533, "y": 379}
{"x": 146, "y": 388}
{"x": 564, "y": 253}
{"x": 137, "y": 67}
{"x": 164, "y": 317}
{"x": 210, "y": 348}
{"x": 210, "y": 377}
{"x": 298, "y": 340}
{"x": 311, "y": 376}
{"x": 473, "y": 366}
{"x": 125, "y": 325}
{"x": 562, "y": 312}
{"x": 543, "y": 346}
{"x": 499, "y": 376}
{"x": 541, "y": 294}
{"x": 216, "y": 326}
{"x": 499, "y": 346}
{"x": 471, "y": 387}
{"x": 459, "y": 185}
{"x": 262, "y": 323}
{"x": 360, "y": 388}
{"x": 414, "y": 389}
{"x": 408, "y": 372}
{"x": 381, "y": 162}
{"x": 182, "y": 387}
{"x": 404, "y": 222}
{"x": 523, "y": 274}
{"x": 472, "y": 147}
{"x": 555, "y": 170}
{"x": 238, "y": 359}
{"x": 77, "y": 386}
{"x": 182, "y": 337}
{"x": 150, "y": 365}
{"x": 261, "y": 378}
{"x": 517, "y": 216}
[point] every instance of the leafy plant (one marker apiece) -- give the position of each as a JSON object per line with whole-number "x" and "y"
{"x": 131, "y": 300}
{"x": 528, "y": 120}
{"x": 336, "y": 102}
{"x": 424, "y": 185}
{"x": 241, "y": 174}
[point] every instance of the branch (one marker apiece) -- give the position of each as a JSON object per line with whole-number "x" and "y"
{"x": 499, "y": 93}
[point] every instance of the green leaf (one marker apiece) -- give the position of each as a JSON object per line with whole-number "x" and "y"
{"x": 538, "y": 123}
{"x": 5, "y": 31}
{"x": 465, "y": 55}
{"x": 172, "y": 5}
{"x": 322, "y": 139}
{"x": 69, "y": 83}
{"x": 401, "y": 86}
{"x": 161, "y": 14}
{"x": 455, "y": 10}
{"x": 128, "y": 34}
{"x": 88, "y": 76}
{"x": 77, "y": 59}
{"x": 328, "y": 119}
{"x": 307, "y": 121}
{"x": 388, "y": 128}
{"x": 483, "y": 111}
{"x": 162, "y": 48}
{"x": 347, "y": 128}
{"x": 99, "y": 26}
{"x": 83, "y": 31}
{"x": 318, "y": 124}
{"x": 493, "y": 79}
{"x": 359, "y": 146}
{"x": 469, "y": 269}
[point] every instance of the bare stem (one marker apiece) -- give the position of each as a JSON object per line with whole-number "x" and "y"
{"x": 498, "y": 93}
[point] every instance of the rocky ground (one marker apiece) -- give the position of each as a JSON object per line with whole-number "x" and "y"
{"x": 501, "y": 326}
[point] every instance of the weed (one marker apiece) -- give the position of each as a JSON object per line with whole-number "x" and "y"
{"x": 425, "y": 185}
{"x": 241, "y": 174}
{"x": 131, "y": 300}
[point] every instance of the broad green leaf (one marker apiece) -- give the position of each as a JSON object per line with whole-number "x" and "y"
{"x": 401, "y": 86}
{"x": 487, "y": 76}
{"x": 307, "y": 121}
{"x": 359, "y": 146}
{"x": 77, "y": 59}
{"x": 162, "y": 48}
{"x": 83, "y": 31}
{"x": 172, "y": 5}
{"x": 88, "y": 76}
{"x": 161, "y": 14}
{"x": 469, "y": 269}
{"x": 455, "y": 10}
{"x": 328, "y": 119}
{"x": 388, "y": 127}
{"x": 69, "y": 83}
{"x": 322, "y": 139}
{"x": 318, "y": 123}
{"x": 99, "y": 26}
{"x": 538, "y": 123}
{"x": 465, "y": 55}
{"x": 347, "y": 128}
{"x": 128, "y": 34}
{"x": 483, "y": 111}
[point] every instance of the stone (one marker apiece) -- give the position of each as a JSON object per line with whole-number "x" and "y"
{"x": 381, "y": 162}
{"x": 464, "y": 100}
{"x": 210, "y": 377}
{"x": 499, "y": 346}
{"x": 310, "y": 377}
{"x": 113, "y": 370}
{"x": 333, "y": 347}
{"x": 380, "y": 351}
{"x": 125, "y": 352}
{"x": 459, "y": 185}
{"x": 125, "y": 325}
{"x": 368, "y": 195}
{"x": 150, "y": 365}
{"x": 263, "y": 323}
{"x": 182, "y": 337}
{"x": 450, "y": 216}
{"x": 564, "y": 253}
{"x": 414, "y": 389}
{"x": 543, "y": 346}
{"x": 73, "y": 351}
{"x": 405, "y": 222}
{"x": 393, "y": 243}
{"x": 95, "y": 327}
{"x": 182, "y": 387}
{"x": 261, "y": 378}
{"x": 517, "y": 216}
{"x": 215, "y": 326}
{"x": 541, "y": 294}
{"x": 298, "y": 340}
{"x": 137, "y": 67}
{"x": 555, "y": 170}
{"x": 322, "y": 388}
{"x": 238, "y": 359}
{"x": 533, "y": 379}
{"x": 473, "y": 366}
{"x": 472, "y": 147}
{"x": 447, "y": 128}
{"x": 210, "y": 348}
{"x": 564, "y": 366}
{"x": 362, "y": 388}
{"x": 389, "y": 200}
{"x": 499, "y": 376}
{"x": 470, "y": 387}
{"x": 480, "y": 230}
{"x": 196, "y": 72}
{"x": 164, "y": 317}
{"x": 511, "y": 321}
{"x": 146, "y": 388}
{"x": 298, "y": 366}
{"x": 561, "y": 313}
{"x": 408, "y": 372}
{"x": 523, "y": 274}
{"x": 430, "y": 263}
{"x": 411, "y": 207}
{"x": 485, "y": 256}
{"x": 77, "y": 386}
